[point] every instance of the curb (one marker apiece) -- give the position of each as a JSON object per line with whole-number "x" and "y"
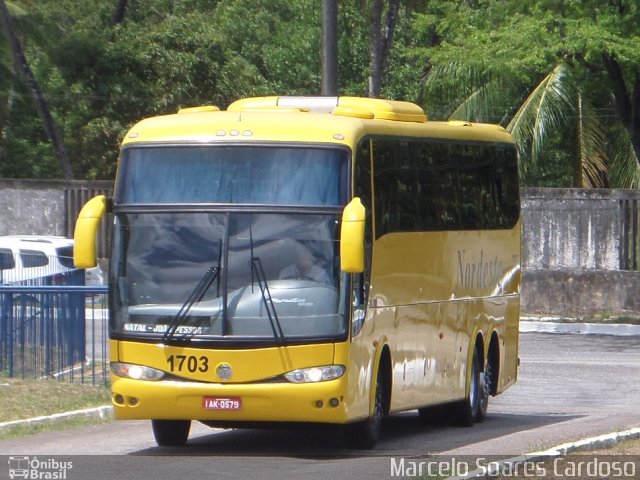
{"x": 601, "y": 441}
{"x": 106, "y": 411}
{"x": 554, "y": 326}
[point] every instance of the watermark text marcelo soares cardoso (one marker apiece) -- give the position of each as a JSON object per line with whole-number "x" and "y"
{"x": 560, "y": 467}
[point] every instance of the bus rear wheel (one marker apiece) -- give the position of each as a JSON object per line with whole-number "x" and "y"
{"x": 485, "y": 390}
{"x": 171, "y": 433}
{"x": 468, "y": 411}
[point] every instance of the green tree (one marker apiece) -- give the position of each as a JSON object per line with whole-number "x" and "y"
{"x": 570, "y": 68}
{"x": 22, "y": 69}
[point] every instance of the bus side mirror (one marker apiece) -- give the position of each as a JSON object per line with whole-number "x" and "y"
{"x": 86, "y": 231}
{"x": 352, "y": 237}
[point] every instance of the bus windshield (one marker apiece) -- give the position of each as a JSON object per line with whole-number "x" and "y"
{"x": 233, "y": 174}
{"x": 215, "y": 276}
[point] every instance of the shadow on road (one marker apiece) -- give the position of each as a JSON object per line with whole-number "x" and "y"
{"x": 402, "y": 435}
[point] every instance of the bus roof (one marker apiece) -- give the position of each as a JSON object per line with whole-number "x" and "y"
{"x": 341, "y": 120}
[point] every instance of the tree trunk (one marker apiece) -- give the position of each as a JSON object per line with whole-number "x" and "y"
{"x": 381, "y": 39}
{"x": 329, "y": 55}
{"x": 22, "y": 68}
{"x": 118, "y": 15}
{"x": 627, "y": 102}
{"x": 376, "y": 49}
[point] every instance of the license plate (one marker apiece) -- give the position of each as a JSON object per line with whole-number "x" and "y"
{"x": 221, "y": 403}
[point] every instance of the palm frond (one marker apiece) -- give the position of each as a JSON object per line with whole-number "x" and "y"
{"x": 625, "y": 169}
{"x": 459, "y": 86}
{"x": 485, "y": 104}
{"x": 15, "y": 9}
{"x": 592, "y": 155}
{"x": 544, "y": 111}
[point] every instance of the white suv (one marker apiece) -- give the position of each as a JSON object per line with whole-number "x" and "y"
{"x": 36, "y": 258}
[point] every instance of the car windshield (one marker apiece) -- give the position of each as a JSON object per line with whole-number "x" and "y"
{"x": 227, "y": 276}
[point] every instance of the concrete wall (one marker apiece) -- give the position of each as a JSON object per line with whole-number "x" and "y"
{"x": 571, "y": 229}
{"x": 580, "y": 247}
{"x": 32, "y": 207}
{"x": 582, "y": 294}
{"x": 42, "y": 207}
{"x": 580, "y": 250}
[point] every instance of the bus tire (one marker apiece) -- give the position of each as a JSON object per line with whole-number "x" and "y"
{"x": 171, "y": 433}
{"x": 465, "y": 412}
{"x": 364, "y": 435}
{"x": 485, "y": 389}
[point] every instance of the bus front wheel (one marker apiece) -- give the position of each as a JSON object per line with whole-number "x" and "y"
{"x": 365, "y": 434}
{"x": 171, "y": 433}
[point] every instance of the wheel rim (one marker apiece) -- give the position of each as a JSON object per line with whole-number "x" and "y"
{"x": 473, "y": 389}
{"x": 484, "y": 391}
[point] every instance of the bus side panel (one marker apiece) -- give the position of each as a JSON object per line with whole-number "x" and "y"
{"x": 438, "y": 291}
{"x": 363, "y": 353}
{"x": 485, "y": 317}
{"x": 509, "y": 369}
{"x": 445, "y": 338}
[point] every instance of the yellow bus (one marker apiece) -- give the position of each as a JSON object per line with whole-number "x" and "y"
{"x": 323, "y": 260}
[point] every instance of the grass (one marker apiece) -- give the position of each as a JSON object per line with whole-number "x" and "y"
{"x": 32, "y": 398}
{"x": 22, "y": 399}
{"x": 625, "y": 447}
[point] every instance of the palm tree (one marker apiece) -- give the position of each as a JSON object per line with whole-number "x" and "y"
{"x": 557, "y": 104}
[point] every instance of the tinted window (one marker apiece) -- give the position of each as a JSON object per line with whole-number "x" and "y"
{"x": 233, "y": 174}
{"x": 429, "y": 186}
{"x": 33, "y": 258}
{"x": 65, "y": 256}
{"x": 7, "y": 261}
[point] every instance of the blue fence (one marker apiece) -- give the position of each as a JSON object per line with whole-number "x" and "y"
{"x": 54, "y": 331}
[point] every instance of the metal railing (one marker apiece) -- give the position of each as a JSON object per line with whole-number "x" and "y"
{"x": 57, "y": 331}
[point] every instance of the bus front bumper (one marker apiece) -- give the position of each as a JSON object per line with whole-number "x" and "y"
{"x": 322, "y": 402}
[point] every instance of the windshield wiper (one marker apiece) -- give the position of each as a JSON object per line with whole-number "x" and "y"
{"x": 257, "y": 272}
{"x": 195, "y": 296}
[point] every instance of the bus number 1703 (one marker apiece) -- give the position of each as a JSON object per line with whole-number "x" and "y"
{"x": 190, "y": 363}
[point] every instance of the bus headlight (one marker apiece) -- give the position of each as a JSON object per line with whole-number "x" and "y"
{"x": 315, "y": 374}
{"x": 136, "y": 372}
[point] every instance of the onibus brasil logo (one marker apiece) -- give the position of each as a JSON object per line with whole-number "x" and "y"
{"x": 35, "y": 468}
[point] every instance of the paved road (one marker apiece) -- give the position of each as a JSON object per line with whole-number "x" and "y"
{"x": 570, "y": 387}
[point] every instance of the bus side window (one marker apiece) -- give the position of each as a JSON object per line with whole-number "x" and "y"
{"x": 362, "y": 189}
